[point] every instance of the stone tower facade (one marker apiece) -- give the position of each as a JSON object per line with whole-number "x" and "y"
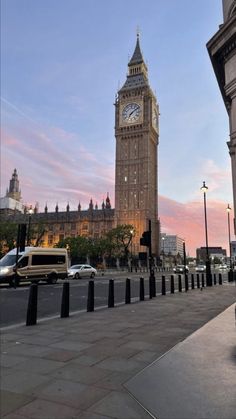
{"x": 14, "y": 190}
{"x": 137, "y": 136}
{"x": 222, "y": 51}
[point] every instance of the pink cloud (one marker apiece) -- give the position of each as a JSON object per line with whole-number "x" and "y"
{"x": 187, "y": 221}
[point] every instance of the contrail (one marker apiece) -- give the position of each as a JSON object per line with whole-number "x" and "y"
{"x": 19, "y": 111}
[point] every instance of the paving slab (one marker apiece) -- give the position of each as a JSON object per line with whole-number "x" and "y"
{"x": 43, "y": 409}
{"x": 119, "y": 406}
{"x": 77, "y": 367}
{"x": 10, "y": 401}
{"x": 196, "y": 379}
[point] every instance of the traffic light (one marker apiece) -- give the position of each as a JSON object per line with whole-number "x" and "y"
{"x": 146, "y": 239}
{"x": 21, "y": 237}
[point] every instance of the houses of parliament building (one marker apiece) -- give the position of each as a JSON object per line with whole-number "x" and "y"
{"x": 136, "y": 167}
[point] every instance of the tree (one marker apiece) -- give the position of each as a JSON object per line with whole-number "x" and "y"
{"x": 120, "y": 238}
{"x": 8, "y": 232}
{"x": 37, "y": 232}
{"x": 114, "y": 243}
{"x": 77, "y": 246}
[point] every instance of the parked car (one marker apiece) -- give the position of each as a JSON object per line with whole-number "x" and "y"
{"x": 200, "y": 268}
{"x": 179, "y": 269}
{"x": 81, "y": 271}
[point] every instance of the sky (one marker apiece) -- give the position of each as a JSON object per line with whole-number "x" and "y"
{"x": 62, "y": 63}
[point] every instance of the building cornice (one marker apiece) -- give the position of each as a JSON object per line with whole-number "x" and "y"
{"x": 221, "y": 47}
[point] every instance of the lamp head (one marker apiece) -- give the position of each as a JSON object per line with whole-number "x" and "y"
{"x": 228, "y": 209}
{"x": 204, "y": 188}
{"x": 30, "y": 210}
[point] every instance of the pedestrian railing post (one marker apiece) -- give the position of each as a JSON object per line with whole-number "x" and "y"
{"x": 31, "y": 318}
{"x": 203, "y": 281}
{"x": 141, "y": 289}
{"x": 172, "y": 284}
{"x": 111, "y": 293}
{"x": 90, "y": 300}
{"x": 65, "y": 300}
{"x": 163, "y": 285}
{"x": 198, "y": 281}
{"x": 127, "y": 291}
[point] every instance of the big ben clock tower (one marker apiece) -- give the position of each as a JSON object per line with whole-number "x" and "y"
{"x": 136, "y": 132}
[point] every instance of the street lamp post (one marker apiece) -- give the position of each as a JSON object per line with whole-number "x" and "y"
{"x": 30, "y": 212}
{"x": 228, "y": 209}
{"x": 163, "y": 241}
{"x": 131, "y": 251}
{"x": 184, "y": 252}
{"x": 204, "y": 189}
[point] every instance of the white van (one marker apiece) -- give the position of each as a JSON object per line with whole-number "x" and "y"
{"x": 34, "y": 264}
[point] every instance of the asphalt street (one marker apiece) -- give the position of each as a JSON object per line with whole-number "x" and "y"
{"x": 14, "y": 302}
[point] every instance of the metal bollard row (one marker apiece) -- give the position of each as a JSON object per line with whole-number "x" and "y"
{"x": 31, "y": 317}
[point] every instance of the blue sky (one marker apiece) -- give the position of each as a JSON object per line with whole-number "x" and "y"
{"x": 62, "y": 63}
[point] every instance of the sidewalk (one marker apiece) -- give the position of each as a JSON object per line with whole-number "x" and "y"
{"x": 82, "y": 366}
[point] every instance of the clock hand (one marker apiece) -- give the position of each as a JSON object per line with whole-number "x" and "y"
{"x": 133, "y": 111}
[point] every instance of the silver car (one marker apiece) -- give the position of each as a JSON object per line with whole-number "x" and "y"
{"x": 200, "y": 268}
{"x": 179, "y": 269}
{"x": 81, "y": 271}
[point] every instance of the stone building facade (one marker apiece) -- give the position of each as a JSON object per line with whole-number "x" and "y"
{"x": 222, "y": 51}
{"x": 93, "y": 222}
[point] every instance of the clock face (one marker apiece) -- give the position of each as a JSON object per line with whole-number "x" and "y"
{"x": 131, "y": 112}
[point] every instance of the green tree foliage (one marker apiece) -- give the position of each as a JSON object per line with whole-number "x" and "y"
{"x": 120, "y": 239}
{"x": 8, "y": 236}
{"x": 77, "y": 246}
{"x": 37, "y": 232}
{"x": 114, "y": 243}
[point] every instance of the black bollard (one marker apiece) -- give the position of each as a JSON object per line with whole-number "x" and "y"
{"x": 230, "y": 275}
{"x": 214, "y": 279}
{"x": 90, "y": 300}
{"x": 180, "y": 283}
{"x": 203, "y": 281}
{"x": 220, "y": 279}
{"x": 172, "y": 284}
{"x": 150, "y": 287}
{"x": 111, "y": 293}
{"x": 192, "y": 281}
{"x": 198, "y": 281}
{"x": 186, "y": 282}
{"x": 141, "y": 289}
{"x": 31, "y": 317}
{"x": 127, "y": 291}
{"x": 163, "y": 285}
{"x": 153, "y": 283}
{"x": 65, "y": 301}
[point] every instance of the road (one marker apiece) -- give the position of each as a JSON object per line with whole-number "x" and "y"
{"x": 14, "y": 302}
